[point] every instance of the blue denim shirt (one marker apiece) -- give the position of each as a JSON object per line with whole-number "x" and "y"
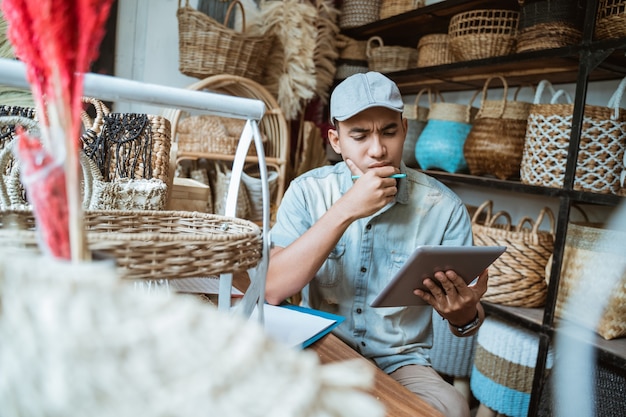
{"x": 369, "y": 253}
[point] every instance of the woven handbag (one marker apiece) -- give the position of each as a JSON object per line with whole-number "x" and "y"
{"x": 440, "y": 145}
{"x": 495, "y": 142}
{"x": 416, "y": 116}
{"x": 383, "y": 58}
{"x": 517, "y": 277}
{"x": 478, "y": 34}
{"x": 594, "y": 253}
{"x": 390, "y": 8}
{"x": 611, "y": 19}
{"x": 208, "y": 47}
{"x": 601, "y": 149}
{"x": 546, "y": 24}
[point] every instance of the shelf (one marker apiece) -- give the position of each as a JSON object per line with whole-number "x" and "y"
{"x": 516, "y": 186}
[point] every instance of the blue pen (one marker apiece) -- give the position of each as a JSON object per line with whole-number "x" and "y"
{"x": 396, "y": 176}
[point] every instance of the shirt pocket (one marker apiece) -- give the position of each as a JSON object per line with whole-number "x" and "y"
{"x": 332, "y": 270}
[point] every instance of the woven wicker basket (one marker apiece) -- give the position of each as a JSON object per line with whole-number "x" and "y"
{"x": 601, "y": 149}
{"x": 358, "y": 12}
{"x": 593, "y": 252}
{"x": 208, "y": 47}
{"x": 383, "y": 58}
{"x": 495, "y": 144}
{"x": 517, "y": 277}
{"x": 611, "y": 19}
{"x": 434, "y": 50}
{"x": 390, "y": 8}
{"x": 546, "y": 24}
{"x": 479, "y": 34}
{"x": 351, "y": 49}
{"x": 155, "y": 244}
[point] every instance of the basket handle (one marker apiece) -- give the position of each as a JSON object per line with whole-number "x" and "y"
{"x": 539, "y": 92}
{"x": 468, "y": 111}
{"x": 616, "y": 98}
{"x": 487, "y": 205}
{"x": 505, "y": 93}
{"x": 102, "y": 110}
{"x": 500, "y": 214}
{"x": 368, "y": 49}
{"x": 522, "y": 222}
{"x": 230, "y": 9}
{"x": 558, "y": 95}
{"x": 544, "y": 211}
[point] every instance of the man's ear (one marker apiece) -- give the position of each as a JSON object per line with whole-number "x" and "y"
{"x": 333, "y": 139}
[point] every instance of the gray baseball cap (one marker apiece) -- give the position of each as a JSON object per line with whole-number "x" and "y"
{"x": 361, "y": 91}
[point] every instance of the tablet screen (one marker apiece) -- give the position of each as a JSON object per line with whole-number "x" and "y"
{"x": 467, "y": 261}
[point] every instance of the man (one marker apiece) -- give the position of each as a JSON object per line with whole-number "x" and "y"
{"x": 339, "y": 239}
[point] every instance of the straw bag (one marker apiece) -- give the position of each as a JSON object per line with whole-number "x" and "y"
{"x": 601, "y": 149}
{"x": 208, "y": 47}
{"x": 440, "y": 145}
{"x": 495, "y": 142}
{"x": 390, "y": 8}
{"x": 358, "y": 12}
{"x": 383, "y": 58}
{"x": 547, "y": 24}
{"x": 594, "y": 253}
{"x": 517, "y": 277}
{"x": 416, "y": 116}
{"x": 478, "y": 34}
{"x": 434, "y": 50}
{"x": 611, "y": 19}
{"x": 127, "y": 145}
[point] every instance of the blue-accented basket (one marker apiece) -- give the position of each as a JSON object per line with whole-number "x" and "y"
{"x": 504, "y": 367}
{"x": 451, "y": 355}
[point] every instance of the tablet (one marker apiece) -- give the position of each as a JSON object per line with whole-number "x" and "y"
{"x": 467, "y": 261}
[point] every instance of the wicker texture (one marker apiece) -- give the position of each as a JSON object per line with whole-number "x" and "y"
{"x": 383, "y": 58}
{"x": 451, "y": 355}
{"x": 211, "y": 134}
{"x": 546, "y": 24}
{"x": 611, "y": 19}
{"x": 484, "y": 33}
{"x": 10, "y": 116}
{"x": 516, "y": 278}
{"x": 351, "y": 49}
{"x": 390, "y": 8}
{"x": 358, "y": 12}
{"x": 416, "y": 116}
{"x": 601, "y": 150}
{"x": 592, "y": 252}
{"x": 208, "y": 47}
{"x": 434, "y": 49}
{"x": 495, "y": 143}
{"x": 155, "y": 244}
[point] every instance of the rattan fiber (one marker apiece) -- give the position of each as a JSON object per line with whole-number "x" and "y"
{"x": 516, "y": 278}
{"x": 611, "y": 19}
{"x": 155, "y": 244}
{"x": 358, "y": 12}
{"x": 478, "y": 34}
{"x": 390, "y": 8}
{"x": 389, "y": 58}
{"x": 208, "y": 47}
{"x": 433, "y": 49}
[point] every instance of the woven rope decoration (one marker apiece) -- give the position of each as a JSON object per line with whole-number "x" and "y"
{"x": 79, "y": 342}
{"x": 517, "y": 277}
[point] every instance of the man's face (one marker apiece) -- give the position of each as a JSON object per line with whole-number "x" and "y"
{"x": 372, "y": 138}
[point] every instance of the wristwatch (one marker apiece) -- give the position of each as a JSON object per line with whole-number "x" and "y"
{"x": 463, "y": 330}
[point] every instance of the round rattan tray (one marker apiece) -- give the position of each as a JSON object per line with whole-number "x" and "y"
{"x": 155, "y": 244}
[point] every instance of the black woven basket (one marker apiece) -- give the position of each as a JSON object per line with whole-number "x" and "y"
{"x": 536, "y": 12}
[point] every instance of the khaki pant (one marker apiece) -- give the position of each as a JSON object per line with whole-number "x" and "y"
{"x": 428, "y": 384}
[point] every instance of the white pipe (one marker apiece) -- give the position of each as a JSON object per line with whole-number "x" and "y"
{"x": 106, "y": 87}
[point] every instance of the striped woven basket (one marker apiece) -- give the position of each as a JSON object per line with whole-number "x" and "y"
{"x": 358, "y": 12}
{"x": 517, "y": 277}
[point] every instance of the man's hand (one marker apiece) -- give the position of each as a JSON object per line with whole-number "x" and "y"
{"x": 371, "y": 192}
{"x": 454, "y": 299}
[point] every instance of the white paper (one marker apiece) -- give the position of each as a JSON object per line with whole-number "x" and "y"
{"x": 291, "y": 327}
{"x": 205, "y": 285}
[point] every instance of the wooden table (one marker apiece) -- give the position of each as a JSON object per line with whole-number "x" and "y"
{"x": 399, "y": 401}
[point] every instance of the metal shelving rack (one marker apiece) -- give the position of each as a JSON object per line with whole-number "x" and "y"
{"x": 580, "y": 64}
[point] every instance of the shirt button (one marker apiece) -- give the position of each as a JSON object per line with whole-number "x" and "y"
{"x": 363, "y": 269}
{"x": 359, "y": 311}
{"x": 368, "y": 227}
{"x": 362, "y": 343}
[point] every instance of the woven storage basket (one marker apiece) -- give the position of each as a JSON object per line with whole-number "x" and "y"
{"x": 383, "y": 58}
{"x": 440, "y": 145}
{"x": 416, "y": 116}
{"x": 434, "y": 50}
{"x": 594, "y": 253}
{"x": 350, "y": 49}
{"x": 546, "y": 24}
{"x": 601, "y": 149}
{"x": 517, "y": 277}
{"x": 478, "y": 34}
{"x": 10, "y": 116}
{"x": 208, "y": 47}
{"x": 155, "y": 244}
{"x": 495, "y": 142}
{"x": 358, "y": 13}
{"x": 611, "y": 19}
{"x": 390, "y": 8}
